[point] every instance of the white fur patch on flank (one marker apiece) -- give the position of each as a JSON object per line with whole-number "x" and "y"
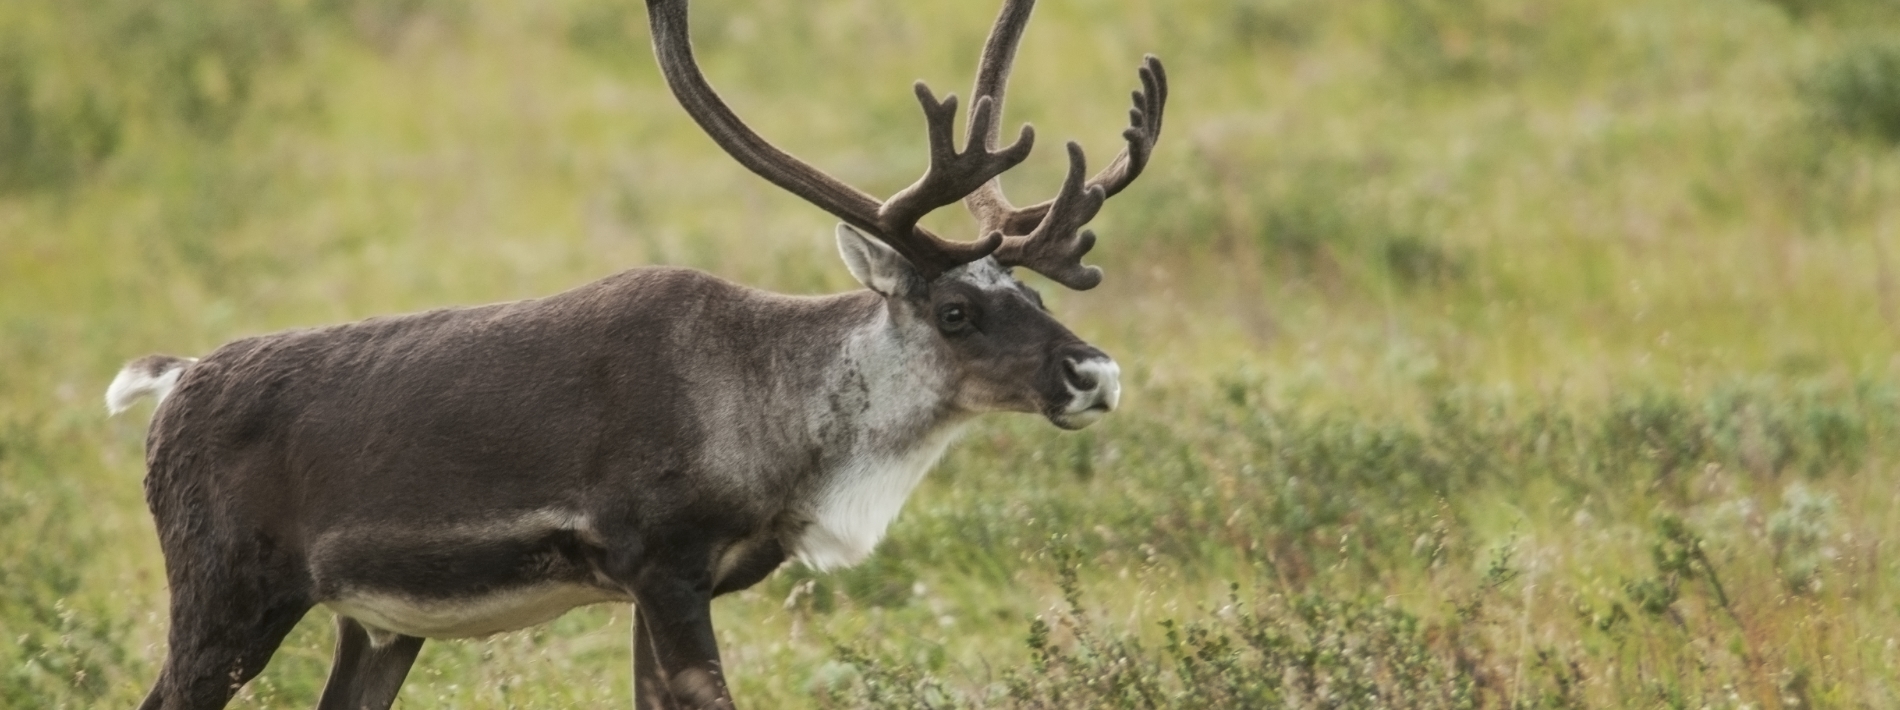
{"x": 145, "y": 376}
{"x": 335, "y": 555}
{"x": 468, "y": 617}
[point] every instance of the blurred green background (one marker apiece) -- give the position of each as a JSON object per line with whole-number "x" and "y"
{"x": 1478, "y": 353}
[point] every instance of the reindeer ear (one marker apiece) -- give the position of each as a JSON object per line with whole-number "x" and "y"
{"x": 876, "y": 265}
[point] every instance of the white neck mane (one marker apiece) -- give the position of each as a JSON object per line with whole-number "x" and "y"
{"x": 899, "y": 427}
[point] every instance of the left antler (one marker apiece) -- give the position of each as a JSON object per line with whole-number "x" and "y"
{"x": 951, "y": 176}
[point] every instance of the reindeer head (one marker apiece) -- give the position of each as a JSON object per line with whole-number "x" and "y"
{"x": 1001, "y": 350}
{"x": 961, "y": 299}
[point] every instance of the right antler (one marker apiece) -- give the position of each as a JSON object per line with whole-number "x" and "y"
{"x": 951, "y": 175}
{"x": 1044, "y": 236}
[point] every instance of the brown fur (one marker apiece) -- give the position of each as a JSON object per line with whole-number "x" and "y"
{"x": 659, "y": 436}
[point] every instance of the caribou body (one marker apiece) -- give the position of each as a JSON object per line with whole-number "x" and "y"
{"x": 658, "y": 437}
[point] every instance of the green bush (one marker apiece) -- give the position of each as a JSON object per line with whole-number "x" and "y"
{"x": 1858, "y": 91}
{"x": 1309, "y": 650}
{"x": 61, "y": 642}
{"x": 46, "y": 140}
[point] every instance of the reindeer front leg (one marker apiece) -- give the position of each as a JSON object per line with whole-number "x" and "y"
{"x": 753, "y": 563}
{"x": 675, "y": 655}
{"x": 674, "y": 624}
{"x": 650, "y": 690}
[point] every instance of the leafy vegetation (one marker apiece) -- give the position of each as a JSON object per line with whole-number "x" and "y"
{"x": 1479, "y": 354}
{"x": 1859, "y": 90}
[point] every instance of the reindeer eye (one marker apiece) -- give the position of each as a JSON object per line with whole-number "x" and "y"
{"x": 953, "y": 317}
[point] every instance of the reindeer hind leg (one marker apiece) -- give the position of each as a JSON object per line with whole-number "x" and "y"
{"x": 369, "y": 667}
{"x": 220, "y": 639}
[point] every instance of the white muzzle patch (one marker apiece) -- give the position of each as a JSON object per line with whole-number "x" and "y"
{"x": 1098, "y": 392}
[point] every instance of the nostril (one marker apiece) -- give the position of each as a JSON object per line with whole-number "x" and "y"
{"x": 1075, "y": 377}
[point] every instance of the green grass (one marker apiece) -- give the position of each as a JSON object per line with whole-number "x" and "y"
{"x": 1479, "y": 354}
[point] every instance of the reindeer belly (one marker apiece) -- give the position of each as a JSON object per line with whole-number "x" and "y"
{"x": 460, "y": 617}
{"x": 460, "y": 580}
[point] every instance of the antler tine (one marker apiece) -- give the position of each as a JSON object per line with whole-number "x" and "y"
{"x": 1144, "y": 129}
{"x": 894, "y": 222}
{"x": 995, "y": 212}
{"x": 987, "y": 202}
{"x": 1056, "y": 247}
{"x": 953, "y": 174}
{"x": 1059, "y": 219}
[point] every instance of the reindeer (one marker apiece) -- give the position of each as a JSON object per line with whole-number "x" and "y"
{"x": 659, "y": 437}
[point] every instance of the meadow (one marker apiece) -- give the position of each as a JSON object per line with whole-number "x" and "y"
{"x": 1478, "y": 353}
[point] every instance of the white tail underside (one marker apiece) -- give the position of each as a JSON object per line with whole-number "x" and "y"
{"x": 137, "y": 380}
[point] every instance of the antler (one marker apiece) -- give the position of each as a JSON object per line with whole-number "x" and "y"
{"x": 1043, "y": 237}
{"x": 1051, "y": 245}
{"x": 951, "y": 175}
